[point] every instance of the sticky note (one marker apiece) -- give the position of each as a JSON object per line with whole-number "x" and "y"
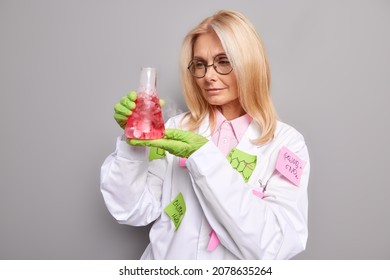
{"x": 214, "y": 241}
{"x": 243, "y": 162}
{"x": 176, "y": 210}
{"x": 290, "y": 165}
{"x": 182, "y": 162}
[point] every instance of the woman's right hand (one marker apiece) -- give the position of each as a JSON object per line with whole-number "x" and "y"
{"x": 125, "y": 108}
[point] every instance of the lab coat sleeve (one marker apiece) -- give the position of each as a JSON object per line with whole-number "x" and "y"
{"x": 252, "y": 228}
{"x": 131, "y": 185}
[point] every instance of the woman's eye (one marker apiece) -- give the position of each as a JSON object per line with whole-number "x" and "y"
{"x": 199, "y": 64}
{"x": 224, "y": 61}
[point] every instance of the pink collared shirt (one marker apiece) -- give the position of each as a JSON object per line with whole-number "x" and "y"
{"x": 227, "y": 133}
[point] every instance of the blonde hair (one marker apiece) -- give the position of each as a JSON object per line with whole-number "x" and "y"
{"x": 246, "y": 53}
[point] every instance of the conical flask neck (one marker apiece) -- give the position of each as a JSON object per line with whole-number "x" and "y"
{"x": 147, "y": 82}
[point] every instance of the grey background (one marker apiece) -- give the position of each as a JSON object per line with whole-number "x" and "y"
{"x": 64, "y": 64}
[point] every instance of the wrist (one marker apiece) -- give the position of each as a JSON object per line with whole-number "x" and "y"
{"x": 124, "y": 150}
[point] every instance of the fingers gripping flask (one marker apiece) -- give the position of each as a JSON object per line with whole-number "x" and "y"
{"x": 146, "y": 121}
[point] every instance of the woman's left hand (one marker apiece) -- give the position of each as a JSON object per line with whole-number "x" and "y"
{"x": 177, "y": 142}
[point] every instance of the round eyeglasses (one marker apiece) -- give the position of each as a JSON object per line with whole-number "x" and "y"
{"x": 221, "y": 65}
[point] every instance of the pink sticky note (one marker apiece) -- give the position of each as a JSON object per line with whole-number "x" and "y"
{"x": 258, "y": 192}
{"x": 290, "y": 165}
{"x": 214, "y": 241}
{"x": 182, "y": 162}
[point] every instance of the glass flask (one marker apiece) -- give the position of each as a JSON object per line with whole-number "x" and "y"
{"x": 146, "y": 121}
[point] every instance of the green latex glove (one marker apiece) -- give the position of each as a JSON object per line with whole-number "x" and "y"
{"x": 177, "y": 142}
{"x": 125, "y": 108}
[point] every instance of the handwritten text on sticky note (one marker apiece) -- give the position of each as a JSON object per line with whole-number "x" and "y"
{"x": 290, "y": 165}
{"x": 176, "y": 210}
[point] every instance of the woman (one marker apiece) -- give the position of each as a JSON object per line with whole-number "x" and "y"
{"x": 216, "y": 193}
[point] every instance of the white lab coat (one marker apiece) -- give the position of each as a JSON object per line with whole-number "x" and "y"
{"x": 137, "y": 190}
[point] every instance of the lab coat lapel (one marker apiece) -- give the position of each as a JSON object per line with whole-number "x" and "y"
{"x": 204, "y": 128}
{"x": 245, "y": 145}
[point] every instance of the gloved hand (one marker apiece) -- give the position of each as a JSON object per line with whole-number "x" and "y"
{"x": 177, "y": 142}
{"x": 125, "y": 108}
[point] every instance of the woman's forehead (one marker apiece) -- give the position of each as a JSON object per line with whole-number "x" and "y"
{"x": 208, "y": 45}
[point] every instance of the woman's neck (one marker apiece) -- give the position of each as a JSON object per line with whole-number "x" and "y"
{"x": 232, "y": 110}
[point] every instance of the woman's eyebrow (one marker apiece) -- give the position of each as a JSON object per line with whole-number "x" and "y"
{"x": 198, "y": 58}
{"x": 201, "y": 58}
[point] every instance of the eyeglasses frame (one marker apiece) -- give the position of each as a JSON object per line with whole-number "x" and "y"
{"x": 207, "y": 66}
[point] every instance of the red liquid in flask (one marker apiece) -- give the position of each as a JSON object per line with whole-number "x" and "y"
{"x": 146, "y": 121}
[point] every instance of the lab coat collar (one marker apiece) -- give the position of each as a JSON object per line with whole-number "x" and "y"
{"x": 204, "y": 128}
{"x": 253, "y": 132}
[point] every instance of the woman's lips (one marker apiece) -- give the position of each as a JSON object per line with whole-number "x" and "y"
{"x": 214, "y": 90}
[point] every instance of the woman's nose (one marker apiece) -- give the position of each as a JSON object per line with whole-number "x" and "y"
{"x": 211, "y": 74}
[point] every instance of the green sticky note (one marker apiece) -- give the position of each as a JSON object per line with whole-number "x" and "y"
{"x": 243, "y": 162}
{"x": 176, "y": 210}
